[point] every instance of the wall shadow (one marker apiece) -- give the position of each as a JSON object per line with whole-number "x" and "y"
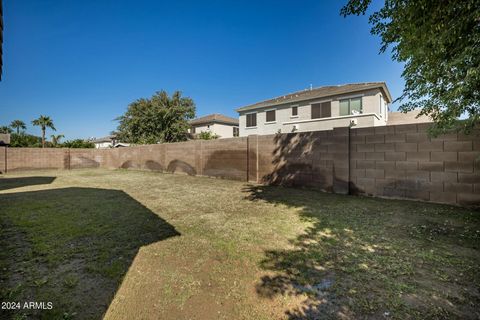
{"x": 153, "y": 165}
{"x": 296, "y": 161}
{"x": 71, "y": 246}
{"x": 228, "y": 163}
{"x": 181, "y": 166}
{"x": 306, "y": 269}
{"x": 10, "y": 183}
{"x": 127, "y": 164}
{"x": 80, "y": 162}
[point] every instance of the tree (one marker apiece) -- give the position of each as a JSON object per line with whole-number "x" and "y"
{"x": 158, "y": 119}
{"x": 56, "y": 139}
{"x": 44, "y": 122}
{"x": 25, "y": 140}
{"x": 5, "y": 129}
{"x": 207, "y": 135}
{"x": 78, "y": 143}
{"x": 18, "y": 124}
{"x": 439, "y": 43}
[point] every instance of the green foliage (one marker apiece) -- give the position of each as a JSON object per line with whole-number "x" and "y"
{"x": 5, "y": 129}
{"x": 25, "y": 140}
{"x": 56, "y": 139}
{"x": 207, "y": 135}
{"x": 158, "y": 119}
{"x": 44, "y": 122}
{"x": 18, "y": 125}
{"x": 78, "y": 143}
{"x": 439, "y": 43}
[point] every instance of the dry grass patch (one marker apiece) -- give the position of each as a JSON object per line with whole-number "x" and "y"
{"x": 142, "y": 245}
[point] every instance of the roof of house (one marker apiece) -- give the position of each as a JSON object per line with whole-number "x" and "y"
{"x": 214, "y": 118}
{"x": 104, "y": 139}
{"x": 320, "y": 92}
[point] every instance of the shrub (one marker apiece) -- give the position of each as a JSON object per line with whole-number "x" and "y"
{"x": 207, "y": 135}
{"x": 78, "y": 143}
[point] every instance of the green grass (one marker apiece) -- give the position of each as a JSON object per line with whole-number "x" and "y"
{"x": 142, "y": 245}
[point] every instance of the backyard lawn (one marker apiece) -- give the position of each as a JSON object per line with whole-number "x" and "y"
{"x": 142, "y": 245}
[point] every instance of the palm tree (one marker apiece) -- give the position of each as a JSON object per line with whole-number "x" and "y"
{"x": 56, "y": 139}
{"x": 5, "y": 129}
{"x": 18, "y": 124}
{"x": 43, "y": 122}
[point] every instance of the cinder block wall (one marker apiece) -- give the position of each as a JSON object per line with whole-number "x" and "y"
{"x": 3, "y": 164}
{"x": 316, "y": 159}
{"x": 404, "y": 162}
{"x": 399, "y": 161}
{"x": 225, "y": 158}
{"x": 36, "y": 158}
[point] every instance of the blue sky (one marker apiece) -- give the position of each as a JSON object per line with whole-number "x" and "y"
{"x": 83, "y": 62}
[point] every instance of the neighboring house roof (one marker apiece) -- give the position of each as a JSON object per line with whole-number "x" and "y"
{"x": 320, "y": 92}
{"x": 104, "y": 139}
{"x": 1, "y": 38}
{"x": 406, "y": 118}
{"x": 121, "y": 144}
{"x": 214, "y": 118}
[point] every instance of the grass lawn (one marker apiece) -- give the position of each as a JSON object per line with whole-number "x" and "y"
{"x": 142, "y": 245}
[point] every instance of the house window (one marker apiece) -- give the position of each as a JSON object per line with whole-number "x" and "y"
{"x": 347, "y": 106}
{"x": 251, "y": 120}
{"x": 270, "y": 115}
{"x": 236, "y": 132}
{"x": 294, "y": 111}
{"x": 322, "y": 110}
{"x": 192, "y": 130}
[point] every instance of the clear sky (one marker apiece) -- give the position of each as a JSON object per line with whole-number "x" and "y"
{"x": 83, "y": 62}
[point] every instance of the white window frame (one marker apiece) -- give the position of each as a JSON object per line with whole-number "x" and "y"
{"x": 265, "y": 111}
{"x": 255, "y": 127}
{"x": 349, "y": 98}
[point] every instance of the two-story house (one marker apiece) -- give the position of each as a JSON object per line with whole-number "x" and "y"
{"x": 218, "y": 124}
{"x": 323, "y": 108}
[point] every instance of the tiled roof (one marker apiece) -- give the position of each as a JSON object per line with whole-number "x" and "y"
{"x": 320, "y": 92}
{"x": 104, "y": 139}
{"x": 215, "y": 118}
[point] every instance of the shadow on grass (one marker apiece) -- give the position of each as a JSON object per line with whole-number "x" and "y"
{"x": 10, "y": 183}
{"x": 71, "y": 247}
{"x": 373, "y": 258}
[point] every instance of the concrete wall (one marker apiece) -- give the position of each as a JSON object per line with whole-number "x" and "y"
{"x": 404, "y": 162}
{"x": 371, "y": 104}
{"x": 36, "y": 158}
{"x": 3, "y": 163}
{"x": 396, "y": 118}
{"x": 388, "y": 161}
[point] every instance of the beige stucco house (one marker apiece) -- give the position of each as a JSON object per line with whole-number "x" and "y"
{"x": 108, "y": 142}
{"x": 323, "y": 108}
{"x": 222, "y": 126}
{"x": 413, "y": 116}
